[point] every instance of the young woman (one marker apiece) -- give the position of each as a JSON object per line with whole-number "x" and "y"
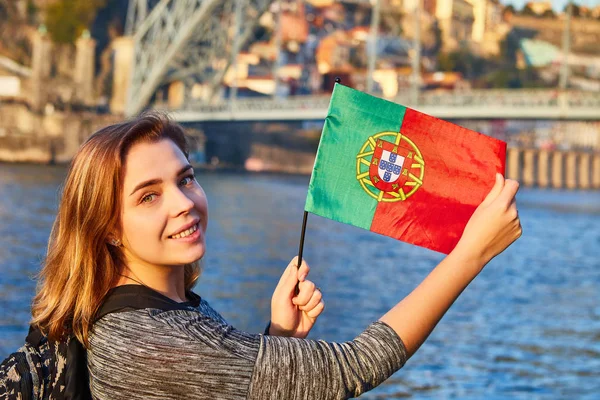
{"x": 131, "y": 226}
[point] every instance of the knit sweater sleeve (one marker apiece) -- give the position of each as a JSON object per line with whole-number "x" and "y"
{"x": 186, "y": 354}
{"x": 288, "y": 368}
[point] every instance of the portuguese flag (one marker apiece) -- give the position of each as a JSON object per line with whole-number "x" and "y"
{"x": 398, "y": 172}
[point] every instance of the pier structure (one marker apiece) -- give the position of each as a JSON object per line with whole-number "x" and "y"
{"x": 554, "y": 168}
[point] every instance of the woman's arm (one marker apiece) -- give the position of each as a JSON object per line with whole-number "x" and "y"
{"x": 288, "y": 368}
{"x": 492, "y": 228}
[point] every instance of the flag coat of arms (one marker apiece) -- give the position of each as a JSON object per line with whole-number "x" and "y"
{"x": 398, "y": 172}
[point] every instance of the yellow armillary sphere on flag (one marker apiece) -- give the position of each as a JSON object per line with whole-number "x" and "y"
{"x": 390, "y": 167}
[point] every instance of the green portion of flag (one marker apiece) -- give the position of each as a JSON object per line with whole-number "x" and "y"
{"x": 334, "y": 191}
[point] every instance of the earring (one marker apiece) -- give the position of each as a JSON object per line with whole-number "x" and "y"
{"x": 115, "y": 242}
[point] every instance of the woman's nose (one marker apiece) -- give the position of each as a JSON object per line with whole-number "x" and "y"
{"x": 182, "y": 203}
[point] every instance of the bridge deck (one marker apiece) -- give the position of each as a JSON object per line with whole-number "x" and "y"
{"x": 483, "y": 104}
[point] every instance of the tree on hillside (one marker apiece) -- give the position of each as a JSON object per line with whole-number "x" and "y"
{"x": 509, "y": 8}
{"x": 507, "y": 75}
{"x": 508, "y": 12}
{"x": 464, "y": 61}
{"x": 66, "y": 19}
{"x": 576, "y": 12}
{"x": 32, "y": 10}
{"x": 528, "y": 11}
{"x": 549, "y": 14}
{"x": 14, "y": 42}
{"x": 438, "y": 43}
{"x": 509, "y": 47}
{"x": 391, "y": 21}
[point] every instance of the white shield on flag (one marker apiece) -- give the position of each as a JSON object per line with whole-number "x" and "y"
{"x": 390, "y": 166}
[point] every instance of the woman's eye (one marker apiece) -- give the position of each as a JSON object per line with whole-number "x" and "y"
{"x": 187, "y": 180}
{"x": 148, "y": 198}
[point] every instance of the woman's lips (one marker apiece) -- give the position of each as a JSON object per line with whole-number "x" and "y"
{"x": 194, "y": 236}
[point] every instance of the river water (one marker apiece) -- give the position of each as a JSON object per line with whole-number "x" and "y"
{"x": 528, "y": 327}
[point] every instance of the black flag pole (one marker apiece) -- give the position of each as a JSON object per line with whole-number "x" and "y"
{"x": 302, "y": 234}
{"x": 301, "y": 248}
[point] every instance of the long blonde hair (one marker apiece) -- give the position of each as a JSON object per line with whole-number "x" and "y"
{"x": 81, "y": 266}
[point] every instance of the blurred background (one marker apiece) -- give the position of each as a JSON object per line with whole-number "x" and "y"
{"x": 250, "y": 81}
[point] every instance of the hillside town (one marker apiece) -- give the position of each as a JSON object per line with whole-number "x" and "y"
{"x": 463, "y": 44}
{"x": 300, "y": 46}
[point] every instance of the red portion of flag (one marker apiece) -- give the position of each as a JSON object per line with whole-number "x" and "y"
{"x": 459, "y": 170}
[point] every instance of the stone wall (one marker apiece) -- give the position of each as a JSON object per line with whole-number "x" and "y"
{"x": 27, "y": 136}
{"x": 25, "y": 149}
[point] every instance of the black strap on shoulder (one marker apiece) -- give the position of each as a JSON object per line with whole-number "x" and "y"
{"x": 35, "y": 336}
{"x": 74, "y": 384}
{"x": 138, "y": 297}
{"x": 77, "y": 386}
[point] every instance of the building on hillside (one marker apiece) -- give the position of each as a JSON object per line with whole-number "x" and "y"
{"x": 21, "y": 6}
{"x": 320, "y": 3}
{"x": 293, "y": 21}
{"x": 547, "y": 59}
{"x": 426, "y": 21}
{"x": 456, "y": 19}
{"x": 333, "y": 53}
{"x": 495, "y": 28}
{"x": 444, "y": 81}
{"x": 539, "y": 7}
{"x": 10, "y": 83}
{"x": 538, "y": 53}
{"x": 479, "y": 19}
{"x": 42, "y": 4}
{"x": 473, "y": 21}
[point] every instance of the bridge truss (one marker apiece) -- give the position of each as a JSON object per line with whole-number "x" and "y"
{"x": 185, "y": 40}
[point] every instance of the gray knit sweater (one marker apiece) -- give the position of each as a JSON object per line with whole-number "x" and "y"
{"x": 194, "y": 354}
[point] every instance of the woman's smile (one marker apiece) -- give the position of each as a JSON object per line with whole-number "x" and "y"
{"x": 187, "y": 236}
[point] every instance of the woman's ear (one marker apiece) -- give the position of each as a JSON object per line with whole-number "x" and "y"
{"x": 113, "y": 240}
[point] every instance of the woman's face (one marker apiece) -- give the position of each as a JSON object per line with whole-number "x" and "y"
{"x": 165, "y": 211}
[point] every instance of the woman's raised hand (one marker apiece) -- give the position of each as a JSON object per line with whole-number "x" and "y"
{"x": 292, "y": 314}
{"x": 492, "y": 228}
{"x": 494, "y": 225}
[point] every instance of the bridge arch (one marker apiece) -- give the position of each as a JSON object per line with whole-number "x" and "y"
{"x": 181, "y": 39}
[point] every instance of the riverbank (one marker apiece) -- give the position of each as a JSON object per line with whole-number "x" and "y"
{"x": 45, "y": 138}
